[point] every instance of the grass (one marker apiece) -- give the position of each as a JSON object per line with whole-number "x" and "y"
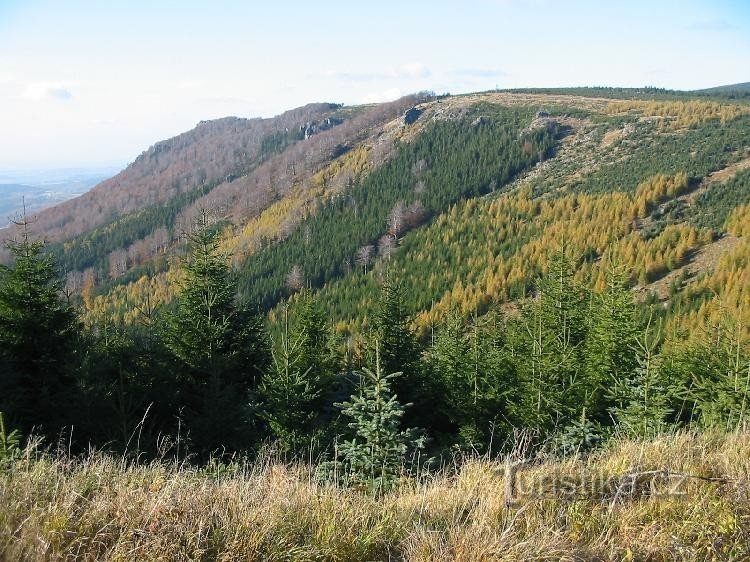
{"x": 677, "y": 497}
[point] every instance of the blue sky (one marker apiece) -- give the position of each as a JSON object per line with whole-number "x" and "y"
{"x": 93, "y": 83}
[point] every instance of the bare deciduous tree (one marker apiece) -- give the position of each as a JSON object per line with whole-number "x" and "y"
{"x": 396, "y": 220}
{"x": 419, "y": 166}
{"x": 386, "y": 245}
{"x": 118, "y": 263}
{"x": 364, "y": 256}
{"x": 73, "y": 282}
{"x": 415, "y": 214}
{"x": 295, "y": 280}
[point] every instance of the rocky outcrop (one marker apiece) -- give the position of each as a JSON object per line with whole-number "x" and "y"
{"x": 411, "y": 115}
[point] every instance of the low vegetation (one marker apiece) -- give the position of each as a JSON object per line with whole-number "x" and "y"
{"x": 676, "y": 497}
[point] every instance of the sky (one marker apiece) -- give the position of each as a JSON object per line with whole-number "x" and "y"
{"x": 94, "y": 83}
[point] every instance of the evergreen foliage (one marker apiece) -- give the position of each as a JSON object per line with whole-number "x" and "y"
{"x": 376, "y": 456}
{"x": 475, "y": 325}
{"x": 462, "y": 160}
{"x": 477, "y": 385}
{"x": 642, "y": 399}
{"x": 550, "y": 338}
{"x": 218, "y": 346}
{"x": 38, "y": 336}
{"x": 611, "y": 337}
{"x": 301, "y": 378}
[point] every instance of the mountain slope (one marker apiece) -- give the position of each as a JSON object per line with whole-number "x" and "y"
{"x": 463, "y": 199}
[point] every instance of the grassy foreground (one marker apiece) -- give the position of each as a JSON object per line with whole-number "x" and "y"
{"x": 678, "y": 497}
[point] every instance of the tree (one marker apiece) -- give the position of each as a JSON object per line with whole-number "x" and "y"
{"x": 399, "y": 351}
{"x": 476, "y": 380}
{"x": 396, "y": 221}
{"x": 125, "y": 386}
{"x": 295, "y": 280}
{"x": 610, "y": 341}
{"x": 118, "y": 263}
{"x": 38, "y": 331}
{"x": 716, "y": 368}
{"x": 376, "y": 456}
{"x": 547, "y": 344}
{"x": 364, "y": 256}
{"x": 641, "y": 401}
{"x": 219, "y": 347}
{"x": 295, "y": 388}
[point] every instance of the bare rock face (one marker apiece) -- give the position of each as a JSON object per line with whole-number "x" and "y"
{"x": 314, "y": 127}
{"x": 411, "y": 115}
{"x": 542, "y": 120}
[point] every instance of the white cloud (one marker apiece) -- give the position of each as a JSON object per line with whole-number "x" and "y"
{"x": 385, "y": 95}
{"x": 39, "y": 91}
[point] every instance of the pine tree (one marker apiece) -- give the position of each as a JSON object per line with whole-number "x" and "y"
{"x": 377, "y": 455}
{"x": 38, "y": 334}
{"x": 220, "y": 348}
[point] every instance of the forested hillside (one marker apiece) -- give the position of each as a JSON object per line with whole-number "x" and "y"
{"x": 568, "y": 263}
{"x": 347, "y": 305}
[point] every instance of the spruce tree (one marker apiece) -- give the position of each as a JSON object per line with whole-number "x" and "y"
{"x": 300, "y": 378}
{"x": 642, "y": 399}
{"x": 716, "y": 368}
{"x": 119, "y": 376}
{"x": 547, "y": 348}
{"x": 219, "y": 347}
{"x": 377, "y": 455}
{"x": 38, "y": 334}
{"x": 398, "y": 346}
{"x": 399, "y": 349}
{"x": 610, "y": 341}
{"x": 476, "y": 381}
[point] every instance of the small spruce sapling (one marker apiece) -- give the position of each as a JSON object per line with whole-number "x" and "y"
{"x": 376, "y": 456}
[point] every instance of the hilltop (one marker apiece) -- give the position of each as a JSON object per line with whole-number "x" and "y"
{"x": 742, "y": 87}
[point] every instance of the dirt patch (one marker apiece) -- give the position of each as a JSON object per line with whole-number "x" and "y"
{"x": 705, "y": 259}
{"x": 729, "y": 172}
{"x": 611, "y": 137}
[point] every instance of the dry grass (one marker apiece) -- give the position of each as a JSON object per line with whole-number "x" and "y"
{"x": 578, "y": 509}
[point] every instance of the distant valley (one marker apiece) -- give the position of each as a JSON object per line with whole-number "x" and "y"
{"x": 40, "y": 189}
